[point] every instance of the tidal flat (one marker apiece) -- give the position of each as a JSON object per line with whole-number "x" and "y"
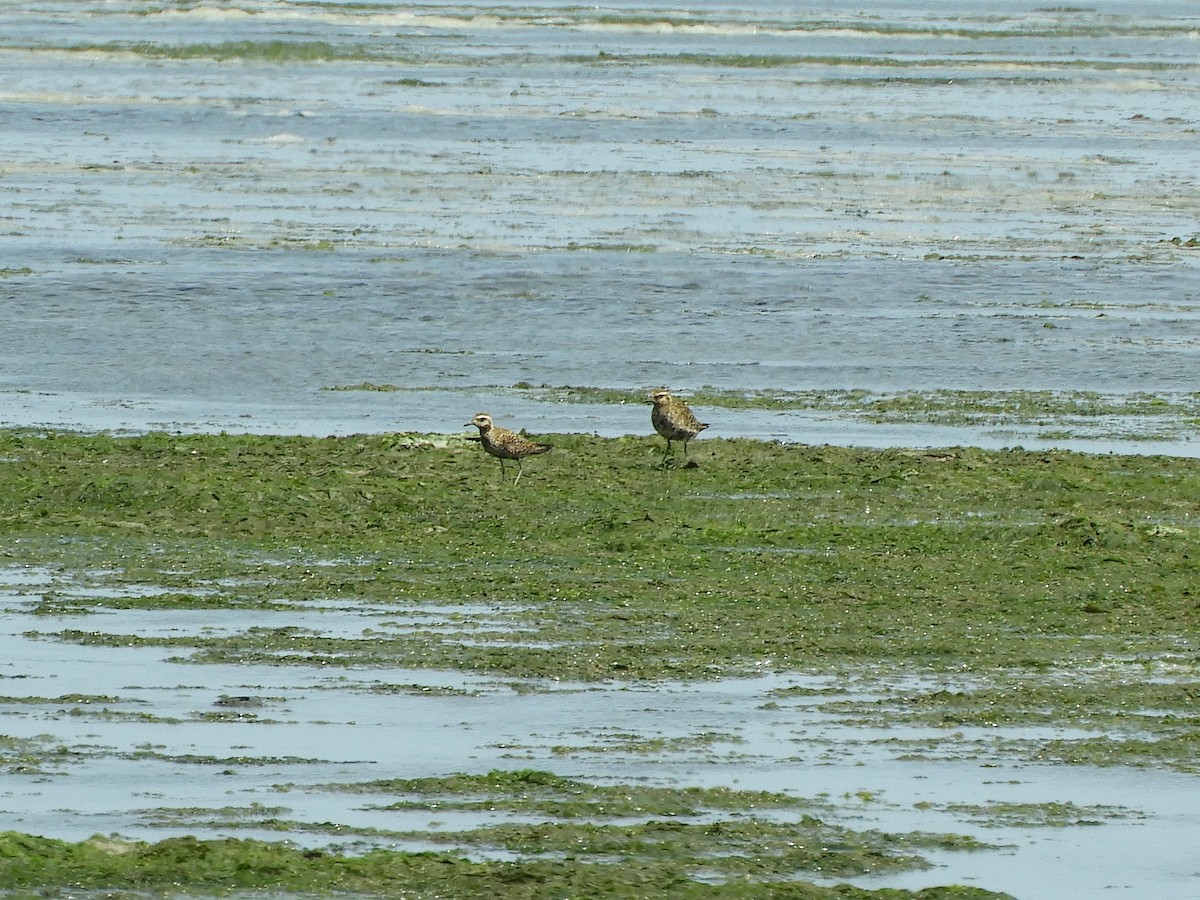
{"x": 779, "y": 670}
{"x": 295, "y": 666}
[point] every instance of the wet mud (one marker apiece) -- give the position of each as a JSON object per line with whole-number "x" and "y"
{"x": 376, "y": 644}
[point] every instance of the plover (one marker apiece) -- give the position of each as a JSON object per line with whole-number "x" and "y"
{"x": 504, "y": 444}
{"x": 674, "y": 420}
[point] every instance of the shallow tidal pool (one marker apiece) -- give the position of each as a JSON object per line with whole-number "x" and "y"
{"x": 107, "y": 736}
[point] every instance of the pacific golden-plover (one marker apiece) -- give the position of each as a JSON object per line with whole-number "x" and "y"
{"x": 674, "y": 420}
{"x": 504, "y": 444}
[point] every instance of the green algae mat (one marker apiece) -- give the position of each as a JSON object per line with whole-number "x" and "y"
{"x": 1032, "y": 572}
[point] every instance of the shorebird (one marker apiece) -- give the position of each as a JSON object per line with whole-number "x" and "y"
{"x": 673, "y": 420}
{"x": 504, "y": 444}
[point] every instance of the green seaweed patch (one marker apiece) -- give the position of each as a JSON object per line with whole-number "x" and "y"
{"x": 412, "y": 82}
{"x": 803, "y": 691}
{"x": 691, "y": 828}
{"x": 295, "y": 243}
{"x": 67, "y": 700}
{"x": 606, "y": 247}
{"x": 549, "y": 794}
{"x": 1100, "y": 701}
{"x": 1138, "y": 721}
{"x": 227, "y": 762}
{"x": 364, "y": 386}
{"x": 38, "y": 756}
{"x": 942, "y": 407}
{"x": 1179, "y": 751}
{"x": 274, "y": 51}
{"x": 1039, "y": 815}
{"x": 257, "y": 815}
{"x": 1159, "y": 713}
{"x": 230, "y": 715}
{"x": 725, "y": 849}
{"x": 782, "y": 60}
{"x": 609, "y": 741}
{"x": 230, "y": 865}
{"x": 412, "y": 688}
{"x": 107, "y": 714}
{"x": 63, "y": 602}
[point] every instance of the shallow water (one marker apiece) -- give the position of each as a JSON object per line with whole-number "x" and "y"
{"x": 169, "y": 748}
{"x": 206, "y": 224}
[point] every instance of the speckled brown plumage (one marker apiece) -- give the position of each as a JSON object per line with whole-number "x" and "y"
{"x": 674, "y": 420}
{"x": 504, "y": 444}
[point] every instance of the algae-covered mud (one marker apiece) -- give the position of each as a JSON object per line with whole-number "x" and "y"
{"x": 358, "y": 662}
{"x": 275, "y": 665}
